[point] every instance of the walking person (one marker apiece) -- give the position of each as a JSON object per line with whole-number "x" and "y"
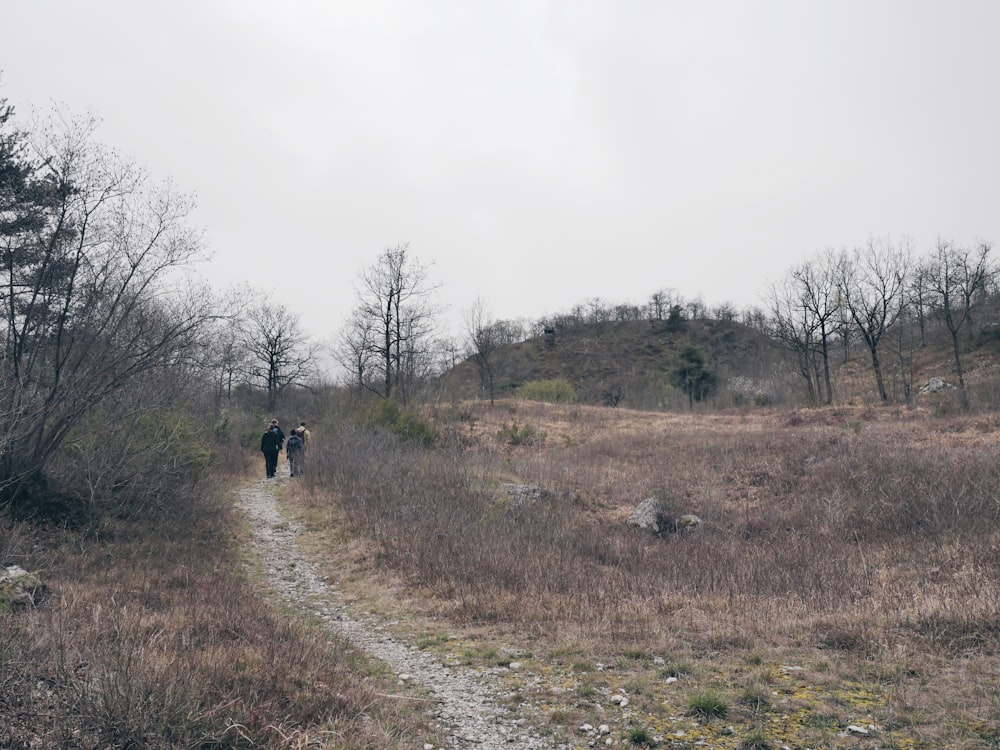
{"x": 295, "y": 449}
{"x": 281, "y": 434}
{"x": 270, "y": 445}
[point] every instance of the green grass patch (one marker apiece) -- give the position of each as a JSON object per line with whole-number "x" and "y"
{"x": 708, "y": 704}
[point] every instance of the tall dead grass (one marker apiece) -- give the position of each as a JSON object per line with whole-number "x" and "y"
{"x": 833, "y": 531}
{"x": 153, "y": 636}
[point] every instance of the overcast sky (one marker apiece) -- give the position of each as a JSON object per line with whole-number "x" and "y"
{"x": 536, "y": 153}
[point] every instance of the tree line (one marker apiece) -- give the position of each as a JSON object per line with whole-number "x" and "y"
{"x": 105, "y": 330}
{"x": 885, "y": 296}
{"x": 880, "y": 295}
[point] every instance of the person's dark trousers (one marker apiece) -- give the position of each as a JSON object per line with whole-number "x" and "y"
{"x": 270, "y": 462}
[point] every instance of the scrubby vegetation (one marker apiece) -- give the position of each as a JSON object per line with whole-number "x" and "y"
{"x": 154, "y": 635}
{"x": 858, "y": 546}
{"x": 145, "y": 627}
{"x": 405, "y": 423}
{"x": 555, "y": 391}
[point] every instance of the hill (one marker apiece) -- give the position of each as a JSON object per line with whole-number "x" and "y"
{"x": 629, "y": 364}
{"x": 614, "y": 363}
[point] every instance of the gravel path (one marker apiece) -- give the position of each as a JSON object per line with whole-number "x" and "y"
{"x": 468, "y": 705}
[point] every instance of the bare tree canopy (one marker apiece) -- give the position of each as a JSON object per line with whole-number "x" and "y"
{"x": 88, "y": 251}
{"x": 793, "y": 326}
{"x": 278, "y": 352}
{"x": 817, "y": 284}
{"x": 387, "y": 343}
{"x": 487, "y": 340}
{"x": 955, "y": 278}
{"x": 872, "y": 285}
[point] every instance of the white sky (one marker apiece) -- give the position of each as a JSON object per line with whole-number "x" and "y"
{"x": 537, "y": 153}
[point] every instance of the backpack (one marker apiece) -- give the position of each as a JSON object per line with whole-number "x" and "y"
{"x": 294, "y": 444}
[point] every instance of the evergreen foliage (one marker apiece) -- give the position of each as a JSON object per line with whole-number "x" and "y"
{"x": 403, "y": 422}
{"x": 691, "y": 374}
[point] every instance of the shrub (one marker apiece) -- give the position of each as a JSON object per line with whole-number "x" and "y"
{"x": 556, "y": 391}
{"x": 756, "y": 697}
{"x": 515, "y": 434}
{"x": 399, "y": 420}
{"x": 707, "y": 704}
{"x": 640, "y": 737}
{"x": 675, "y": 669}
{"x": 756, "y": 740}
{"x": 250, "y": 438}
{"x": 127, "y": 461}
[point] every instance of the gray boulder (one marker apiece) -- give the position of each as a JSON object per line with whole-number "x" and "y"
{"x": 520, "y": 495}
{"x": 653, "y": 514}
{"x": 934, "y": 385}
{"x": 19, "y": 588}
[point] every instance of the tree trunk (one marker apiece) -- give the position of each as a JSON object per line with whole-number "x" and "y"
{"x": 877, "y": 366}
{"x": 963, "y": 396}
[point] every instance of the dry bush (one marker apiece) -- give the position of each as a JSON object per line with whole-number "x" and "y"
{"x": 153, "y": 637}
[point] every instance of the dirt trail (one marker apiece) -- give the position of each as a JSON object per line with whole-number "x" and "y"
{"x": 469, "y": 706}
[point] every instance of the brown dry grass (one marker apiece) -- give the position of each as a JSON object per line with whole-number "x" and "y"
{"x": 154, "y": 635}
{"x": 862, "y": 545}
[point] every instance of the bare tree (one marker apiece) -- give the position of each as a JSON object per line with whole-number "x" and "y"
{"x": 954, "y": 278}
{"x": 355, "y": 350}
{"x": 755, "y": 318}
{"x": 627, "y": 311}
{"x": 659, "y": 302}
{"x": 695, "y": 308}
{"x": 904, "y": 337}
{"x": 488, "y": 339}
{"x": 599, "y": 311}
{"x": 280, "y": 354}
{"x": 817, "y": 284}
{"x": 919, "y": 299}
{"x": 449, "y": 353}
{"x": 725, "y": 312}
{"x": 88, "y": 291}
{"x": 225, "y": 357}
{"x": 872, "y": 284}
{"x": 793, "y": 326}
{"x": 391, "y": 330}
{"x": 229, "y": 358}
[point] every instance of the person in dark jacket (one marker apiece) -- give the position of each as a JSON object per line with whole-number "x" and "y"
{"x": 270, "y": 446}
{"x": 281, "y": 433}
{"x": 295, "y": 449}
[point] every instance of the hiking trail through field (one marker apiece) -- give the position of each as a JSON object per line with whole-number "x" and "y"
{"x": 469, "y": 707}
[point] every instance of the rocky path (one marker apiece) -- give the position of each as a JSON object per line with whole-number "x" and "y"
{"x": 468, "y": 705}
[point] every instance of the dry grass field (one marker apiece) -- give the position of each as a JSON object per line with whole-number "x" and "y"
{"x": 154, "y": 633}
{"x": 842, "y": 591}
